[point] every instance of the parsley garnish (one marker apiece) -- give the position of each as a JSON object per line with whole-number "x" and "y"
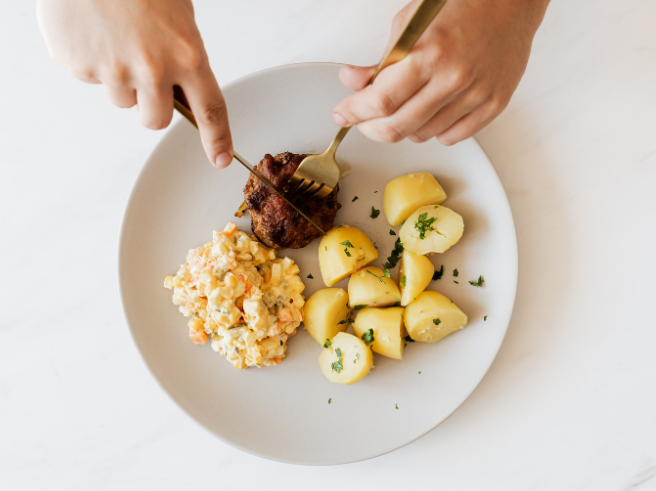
{"x": 347, "y": 252}
{"x": 378, "y": 277}
{"x": 368, "y": 337}
{"x": 397, "y": 304}
{"x": 338, "y": 366}
{"x": 397, "y": 406}
{"x": 375, "y": 246}
{"x": 424, "y": 224}
{"x": 478, "y": 283}
{"x": 346, "y": 321}
{"x": 395, "y": 255}
{"x": 485, "y": 317}
{"x": 437, "y": 275}
{"x": 409, "y": 339}
{"x": 330, "y": 400}
{"x": 325, "y": 248}
{"x": 354, "y": 199}
{"x": 358, "y": 307}
{"x": 281, "y": 342}
{"x": 357, "y": 357}
{"x": 456, "y": 282}
{"x": 403, "y": 281}
{"x": 392, "y": 232}
{"x": 310, "y": 276}
{"x": 436, "y": 321}
{"x": 327, "y": 344}
{"x": 437, "y": 206}
{"x": 375, "y": 192}
{"x": 347, "y": 243}
{"x": 419, "y": 373}
{"x": 374, "y": 212}
{"x": 455, "y": 272}
{"x": 386, "y": 272}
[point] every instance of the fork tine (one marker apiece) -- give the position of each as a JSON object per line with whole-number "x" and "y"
{"x": 303, "y": 188}
{"x": 315, "y": 192}
{"x": 297, "y": 185}
{"x": 313, "y": 188}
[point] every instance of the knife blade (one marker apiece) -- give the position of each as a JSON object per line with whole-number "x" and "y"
{"x": 180, "y": 104}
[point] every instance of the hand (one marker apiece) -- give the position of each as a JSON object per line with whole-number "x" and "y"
{"x": 458, "y": 77}
{"x": 138, "y": 50}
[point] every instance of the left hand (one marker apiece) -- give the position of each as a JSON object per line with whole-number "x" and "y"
{"x": 458, "y": 77}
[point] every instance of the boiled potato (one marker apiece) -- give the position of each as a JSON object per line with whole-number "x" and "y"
{"x": 324, "y": 311}
{"x": 369, "y": 287}
{"x": 442, "y": 228}
{"x": 387, "y": 325}
{"x": 415, "y": 273}
{"x": 405, "y": 194}
{"x": 344, "y": 250}
{"x": 347, "y": 360}
{"x": 433, "y": 316}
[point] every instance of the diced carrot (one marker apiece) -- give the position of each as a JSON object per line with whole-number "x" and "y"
{"x": 198, "y": 337}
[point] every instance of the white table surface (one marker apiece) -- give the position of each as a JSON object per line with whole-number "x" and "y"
{"x": 568, "y": 404}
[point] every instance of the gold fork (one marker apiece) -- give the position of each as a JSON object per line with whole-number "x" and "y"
{"x": 317, "y": 175}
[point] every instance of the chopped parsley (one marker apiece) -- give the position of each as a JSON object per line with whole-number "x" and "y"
{"x": 455, "y": 272}
{"x": 281, "y": 342}
{"x": 392, "y": 232}
{"x": 478, "y": 283}
{"x": 424, "y": 224}
{"x": 377, "y": 277}
{"x": 357, "y": 357}
{"x": 395, "y": 255}
{"x": 457, "y": 283}
{"x": 437, "y": 206}
{"x": 368, "y": 337}
{"x": 419, "y": 373}
{"x": 409, "y": 339}
{"x": 346, "y": 321}
{"x": 437, "y": 275}
{"x": 348, "y": 254}
{"x": 347, "y": 243}
{"x": 358, "y": 307}
{"x": 403, "y": 281}
{"x": 386, "y": 272}
{"x": 397, "y": 304}
{"x": 375, "y": 192}
{"x": 397, "y": 406}
{"x": 354, "y": 199}
{"x": 330, "y": 400}
{"x": 310, "y": 276}
{"x": 374, "y": 212}
{"x": 436, "y": 322}
{"x": 325, "y": 248}
{"x": 338, "y": 366}
{"x": 327, "y": 344}
{"x": 485, "y": 317}
{"x": 375, "y": 246}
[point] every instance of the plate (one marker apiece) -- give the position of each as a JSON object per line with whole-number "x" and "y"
{"x": 290, "y": 412}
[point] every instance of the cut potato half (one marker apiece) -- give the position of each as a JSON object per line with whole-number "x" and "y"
{"x": 325, "y": 312}
{"x": 405, "y": 194}
{"x": 439, "y": 226}
{"x": 342, "y": 251}
{"x": 415, "y": 273}
{"x": 433, "y": 316}
{"x": 370, "y": 288}
{"x": 347, "y": 360}
{"x": 388, "y": 330}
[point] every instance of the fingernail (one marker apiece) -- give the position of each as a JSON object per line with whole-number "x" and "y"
{"x": 339, "y": 120}
{"x": 223, "y": 160}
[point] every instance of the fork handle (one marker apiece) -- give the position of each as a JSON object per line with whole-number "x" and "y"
{"x": 416, "y": 26}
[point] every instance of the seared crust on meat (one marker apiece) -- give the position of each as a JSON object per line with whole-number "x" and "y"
{"x": 276, "y": 223}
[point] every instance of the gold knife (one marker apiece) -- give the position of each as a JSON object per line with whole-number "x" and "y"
{"x": 181, "y": 105}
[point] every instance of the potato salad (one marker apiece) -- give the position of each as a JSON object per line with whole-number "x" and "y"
{"x": 241, "y": 296}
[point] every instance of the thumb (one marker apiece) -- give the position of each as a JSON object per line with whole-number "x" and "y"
{"x": 356, "y": 78}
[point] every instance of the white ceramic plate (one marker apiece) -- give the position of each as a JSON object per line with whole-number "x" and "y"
{"x": 282, "y": 412}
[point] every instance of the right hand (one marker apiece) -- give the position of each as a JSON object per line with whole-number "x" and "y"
{"x": 138, "y": 50}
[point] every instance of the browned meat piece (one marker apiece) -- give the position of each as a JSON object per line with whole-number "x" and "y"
{"x": 276, "y": 223}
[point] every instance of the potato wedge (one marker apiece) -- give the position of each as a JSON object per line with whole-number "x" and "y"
{"x": 440, "y": 226}
{"x": 324, "y": 313}
{"x": 347, "y": 360}
{"x": 388, "y": 330}
{"x": 415, "y": 273}
{"x": 344, "y": 250}
{"x": 433, "y": 316}
{"x": 405, "y": 194}
{"x": 370, "y": 288}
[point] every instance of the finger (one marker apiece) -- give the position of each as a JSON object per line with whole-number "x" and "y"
{"x": 356, "y": 77}
{"x": 447, "y": 116}
{"x": 393, "y": 87}
{"x": 209, "y": 107}
{"x": 471, "y": 123}
{"x": 121, "y": 96}
{"x": 155, "y": 106}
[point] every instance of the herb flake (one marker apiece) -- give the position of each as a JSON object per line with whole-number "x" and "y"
{"x": 424, "y": 224}
{"x": 409, "y": 339}
{"x": 376, "y": 276}
{"x": 437, "y": 275}
{"x": 368, "y": 337}
{"x": 328, "y": 343}
{"x": 437, "y": 322}
{"x": 347, "y": 243}
{"x": 338, "y": 366}
{"x": 455, "y": 272}
{"x": 485, "y": 317}
{"x": 395, "y": 255}
{"x": 348, "y": 254}
{"x": 374, "y": 212}
{"x": 354, "y": 199}
{"x": 403, "y": 280}
{"x": 330, "y": 400}
{"x": 310, "y": 277}
{"x": 392, "y": 232}
{"x": 478, "y": 283}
